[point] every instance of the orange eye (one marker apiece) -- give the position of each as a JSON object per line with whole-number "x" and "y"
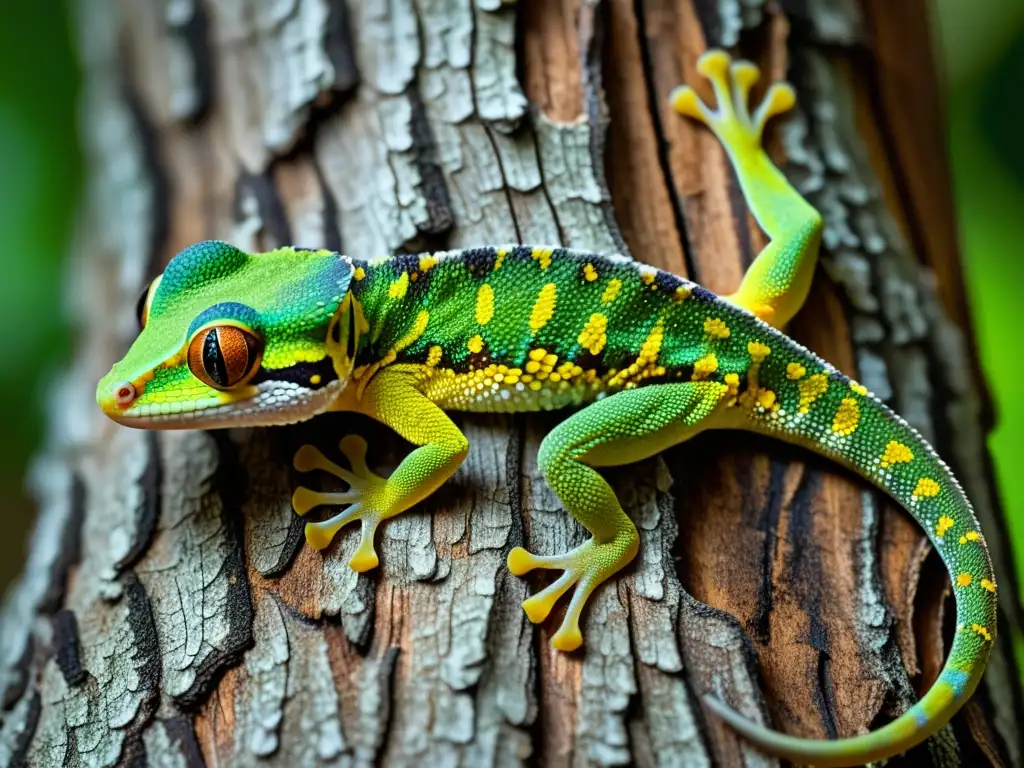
{"x": 224, "y": 356}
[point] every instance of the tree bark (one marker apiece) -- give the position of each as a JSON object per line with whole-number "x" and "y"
{"x": 170, "y": 612}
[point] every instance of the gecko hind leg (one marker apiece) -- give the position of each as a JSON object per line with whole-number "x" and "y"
{"x": 620, "y": 429}
{"x": 776, "y": 284}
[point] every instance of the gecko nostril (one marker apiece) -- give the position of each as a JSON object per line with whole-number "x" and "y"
{"x": 124, "y": 394}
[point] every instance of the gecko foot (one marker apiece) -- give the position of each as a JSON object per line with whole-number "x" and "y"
{"x": 366, "y": 495}
{"x": 732, "y": 81}
{"x": 586, "y": 567}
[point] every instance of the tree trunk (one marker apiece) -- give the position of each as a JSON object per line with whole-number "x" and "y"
{"x": 170, "y": 611}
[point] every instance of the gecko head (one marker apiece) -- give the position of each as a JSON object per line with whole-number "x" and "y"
{"x": 232, "y": 339}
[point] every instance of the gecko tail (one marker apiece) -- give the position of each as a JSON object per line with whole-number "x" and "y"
{"x": 883, "y": 448}
{"x": 932, "y": 712}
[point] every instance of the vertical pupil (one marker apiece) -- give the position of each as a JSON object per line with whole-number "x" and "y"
{"x": 213, "y": 360}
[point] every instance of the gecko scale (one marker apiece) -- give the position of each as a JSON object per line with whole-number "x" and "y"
{"x": 647, "y": 359}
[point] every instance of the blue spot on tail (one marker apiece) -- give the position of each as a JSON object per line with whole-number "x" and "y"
{"x": 956, "y": 679}
{"x": 919, "y": 714}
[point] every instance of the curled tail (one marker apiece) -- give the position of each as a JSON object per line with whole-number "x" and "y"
{"x": 838, "y": 419}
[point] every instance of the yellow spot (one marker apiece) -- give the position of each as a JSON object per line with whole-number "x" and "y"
{"x": 983, "y": 631}
{"x": 811, "y": 389}
{"x": 716, "y": 328}
{"x": 647, "y": 274}
{"x": 475, "y": 344}
{"x": 652, "y": 346}
{"x": 427, "y": 263}
{"x": 415, "y": 332}
{"x": 434, "y": 356}
{"x": 484, "y": 304}
{"x": 989, "y": 585}
{"x": 860, "y": 389}
{"x": 795, "y": 371}
{"x": 500, "y": 259}
{"x": 704, "y": 367}
{"x": 945, "y": 523}
{"x": 766, "y": 398}
{"x": 589, "y": 273}
{"x": 544, "y": 307}
{"x": 315, "y": 379}
{"x": 970, "y": 536}
{"x": 926, "y": 488}
{"x": 847, "y": 417}
{"x": 732, "y": 381}
{"x": 896, "y": 453}
{"x": 398, "y": 289}
{"x": 593, "y": 336}
{"x": 542, "y": 256}
{"x": 758, "y": 351}
{"x": 537, "y": 354}
{"x": 359, "y": 274}
{"x": 964, "y": 580}
{"x": 614, "y": 286}
{"x": 682, "y": 293}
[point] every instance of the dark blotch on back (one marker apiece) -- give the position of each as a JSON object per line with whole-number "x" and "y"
{"x": 701, "y": 293}
{"x": 667, "y": 282}
{"x": 480, "y": 261}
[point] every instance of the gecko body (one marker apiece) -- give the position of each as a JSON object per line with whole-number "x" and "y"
{"x": 646, "y": 358}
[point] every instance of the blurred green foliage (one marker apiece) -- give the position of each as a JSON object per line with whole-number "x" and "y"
{"x": 982, "y": 52}
{"x": 40, "y": 174}
{"x": 983, "y": 46}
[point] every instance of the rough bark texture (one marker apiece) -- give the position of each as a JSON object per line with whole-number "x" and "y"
{"x": 170, "y": 613}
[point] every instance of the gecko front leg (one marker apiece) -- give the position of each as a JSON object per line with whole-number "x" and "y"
{"x": 394, "y": 399}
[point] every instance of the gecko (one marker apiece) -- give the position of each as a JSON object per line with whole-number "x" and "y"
{"x": 644, "y": 360}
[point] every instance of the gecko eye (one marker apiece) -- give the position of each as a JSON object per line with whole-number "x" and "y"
{"x": 224, "y": 356}
{"x": 145, "y": 301}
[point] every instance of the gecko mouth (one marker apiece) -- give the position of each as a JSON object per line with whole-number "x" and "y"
{"x": 271, "y": 403}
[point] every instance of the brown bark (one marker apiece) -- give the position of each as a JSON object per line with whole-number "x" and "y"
{"x": 170, "y": 612}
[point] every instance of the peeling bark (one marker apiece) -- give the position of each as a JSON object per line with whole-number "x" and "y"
{"x": 170, "y": 613}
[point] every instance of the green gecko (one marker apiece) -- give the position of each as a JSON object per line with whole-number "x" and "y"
{"x": 648, "y": 359}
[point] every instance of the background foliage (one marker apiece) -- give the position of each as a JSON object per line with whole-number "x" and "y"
{"x": 981, "y": 50}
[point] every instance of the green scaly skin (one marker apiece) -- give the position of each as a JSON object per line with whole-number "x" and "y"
{"x": 654, "y": 359}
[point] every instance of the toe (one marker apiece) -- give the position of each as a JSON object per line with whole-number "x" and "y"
{"x": 304, "y": 500}
{"x": 714, "y": 64}
{"x": 685, "y": 101}
{"x": 520, "y": 561}
{"x": 353, "y": 447}
{"x": 365, "y": 559}
{"x": 780, "y": 98}
{"x": 319, "y": 535}
{"x": 539, "y": 606}
{"x": 567, "y": 638}
{"x": 308, "y": 458}
{"x": 745, "y": 73}
{"x": 537, "y": 609}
